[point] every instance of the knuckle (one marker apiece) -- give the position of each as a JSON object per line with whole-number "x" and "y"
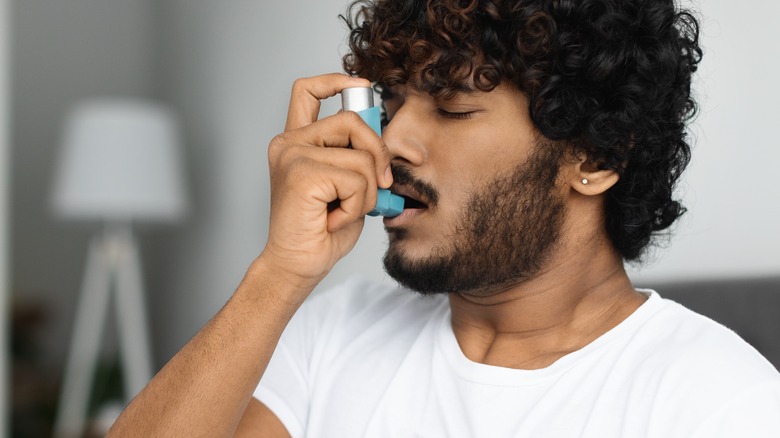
{"x": 363, "y": 183}
{"x": 366, "y": 159}
{"x": 299, "y": 84}
{"x": 359, "y": 188}
{"x": 276, "y": 145}
{"x": 352, "y": 117}
{"x": 353, "y": 180}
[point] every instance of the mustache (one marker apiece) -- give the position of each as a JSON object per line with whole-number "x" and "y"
{"x": 403, "y": 176}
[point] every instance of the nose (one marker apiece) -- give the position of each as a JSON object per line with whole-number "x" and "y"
{"x": 405, "y": 136}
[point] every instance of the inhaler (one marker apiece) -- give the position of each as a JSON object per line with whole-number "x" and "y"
{"x": 361, "y": 101}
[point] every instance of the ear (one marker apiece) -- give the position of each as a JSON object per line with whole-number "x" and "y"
{"x": 587, "y": 179}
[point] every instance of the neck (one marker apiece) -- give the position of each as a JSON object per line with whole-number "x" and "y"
{"x": 534, "y": 323}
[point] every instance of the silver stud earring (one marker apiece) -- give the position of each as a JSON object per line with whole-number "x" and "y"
{"x": 584, "y": 180}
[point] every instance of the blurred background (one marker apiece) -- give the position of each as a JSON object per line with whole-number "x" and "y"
{"x": 225, "y": 69}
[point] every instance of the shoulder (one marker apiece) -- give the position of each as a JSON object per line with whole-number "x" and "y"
{"x": 693, "y": 364}
{"x": 690, "y": 339}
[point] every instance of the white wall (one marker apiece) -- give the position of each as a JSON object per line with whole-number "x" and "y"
{"x": 731, "y": 188}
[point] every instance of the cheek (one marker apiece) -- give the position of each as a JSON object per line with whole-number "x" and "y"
{"x": 486, "y": 144}
{"x": 465, "y": 160}
{"x": 474, "y": 162}
{"x": 457, "y": 189}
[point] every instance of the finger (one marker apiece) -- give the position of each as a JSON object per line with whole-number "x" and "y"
{"x": 356, "y": 161}
{"x": 328, "y": 183}
{"x": 348, "y": 129}
{"x": 307, "y": 93}
{"x": 352, "y": 191}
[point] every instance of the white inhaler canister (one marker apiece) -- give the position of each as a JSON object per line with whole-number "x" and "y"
{"x": 361, "y": 101}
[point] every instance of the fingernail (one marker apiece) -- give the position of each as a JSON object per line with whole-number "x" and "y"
{"x": 388, "y": 176}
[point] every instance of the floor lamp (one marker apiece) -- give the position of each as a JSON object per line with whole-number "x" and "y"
{"x": 120, "y": 164}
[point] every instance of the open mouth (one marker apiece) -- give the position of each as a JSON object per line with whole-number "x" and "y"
{"x": 412, "y": 203}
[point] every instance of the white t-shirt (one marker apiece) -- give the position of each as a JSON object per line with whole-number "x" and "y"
{"x": 365, "y": 360}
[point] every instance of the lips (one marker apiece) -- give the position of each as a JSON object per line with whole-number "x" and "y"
{"x": 412, "y": 199}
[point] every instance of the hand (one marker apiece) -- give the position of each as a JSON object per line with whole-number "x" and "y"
{"x": 311, "y": 167}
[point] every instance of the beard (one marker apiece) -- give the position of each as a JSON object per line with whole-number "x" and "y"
{"x": 503, "y": 237}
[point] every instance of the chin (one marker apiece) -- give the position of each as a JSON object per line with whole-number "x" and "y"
{"x": 410, "y": 248}
{"x": 434, "y": 271}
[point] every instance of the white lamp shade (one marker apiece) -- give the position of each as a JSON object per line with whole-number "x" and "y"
{"x": 120, "y": 160}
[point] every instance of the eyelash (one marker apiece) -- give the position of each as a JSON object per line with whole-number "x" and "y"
{"x": 386, "y": 94}
{"x": 457, "y": 116}
{"x": 384, "y": 120}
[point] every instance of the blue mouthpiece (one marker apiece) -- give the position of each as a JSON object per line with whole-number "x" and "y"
{"x": 388, "y": 204}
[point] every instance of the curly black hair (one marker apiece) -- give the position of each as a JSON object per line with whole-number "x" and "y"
{"x": 607, "y": 78}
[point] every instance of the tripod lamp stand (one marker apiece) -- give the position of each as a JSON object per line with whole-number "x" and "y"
{"x": 120, "y": 164}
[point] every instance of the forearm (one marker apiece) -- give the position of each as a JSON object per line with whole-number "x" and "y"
{"x": 205, "y": 388}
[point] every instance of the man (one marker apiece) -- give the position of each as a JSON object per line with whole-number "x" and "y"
{"x": 538, "y": 144}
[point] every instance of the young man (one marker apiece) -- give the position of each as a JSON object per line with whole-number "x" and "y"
{"x": 537, "y": 144}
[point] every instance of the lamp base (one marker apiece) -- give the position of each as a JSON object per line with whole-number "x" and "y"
{"x": 112, "y": 260}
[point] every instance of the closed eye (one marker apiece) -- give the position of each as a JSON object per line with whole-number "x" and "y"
{"x": 454, "y": 115}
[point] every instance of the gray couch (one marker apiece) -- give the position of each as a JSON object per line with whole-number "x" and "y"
{"x": 750, "y": 307}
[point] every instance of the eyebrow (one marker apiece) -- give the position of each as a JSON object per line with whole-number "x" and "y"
{"x": 469, "y": 94}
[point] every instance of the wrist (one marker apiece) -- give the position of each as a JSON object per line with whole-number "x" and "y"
{"x": 269, "y": 279}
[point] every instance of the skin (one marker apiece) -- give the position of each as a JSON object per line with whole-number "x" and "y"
{"x": 504, "y": 231}
{"x": 580, "y": 293}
